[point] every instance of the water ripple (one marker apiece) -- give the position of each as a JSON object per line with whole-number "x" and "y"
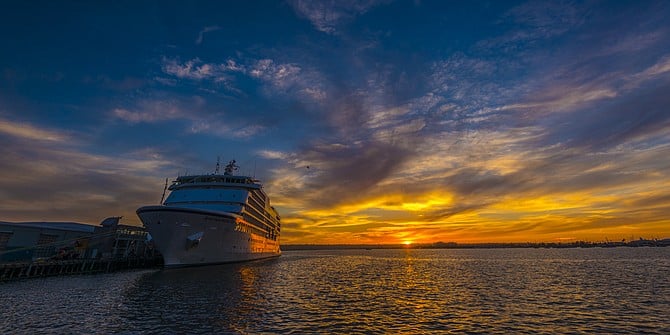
{"x": 521, "y": 291}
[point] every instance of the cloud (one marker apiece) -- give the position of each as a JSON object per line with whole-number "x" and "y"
{"x": 339, "y": 173}
{"x": 192, "y": 69}
{"x": 536, "y": 22}
{"x": 548, "y": 19}
{"x": 278, "y": 78}
{"x": 329, "y": 16}
{"x": 550, "y": 119}
{"x": 150, "y": 111}
{"x": 470, "y": 83}
{"x": 202, "y": 32}
{"x": 638, "y": 114}
{"x": 59, "y": 181}
{"x": 594, "y": 108}
{"x": 560, "y": 92}
{"x": 315, "y": 94}
{"x": 30, "y": 132}
{"x": 521, "y": 145}
{"x": 599, "y": 66}
{"x": 486, "y": 179}
{"x": 653, "y": 72}
{"x": 279, "y": 75}
{"x": 195, "y": 69}
{"x": 227, "y": 128}
{"x": 166, "y": 81}
{"x": 563, "y": 98}
{"x": 199, "y": 119}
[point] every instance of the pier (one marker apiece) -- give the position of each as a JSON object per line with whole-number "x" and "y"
{"x": 45, "y": 249}
{"x": 24, "y": 270}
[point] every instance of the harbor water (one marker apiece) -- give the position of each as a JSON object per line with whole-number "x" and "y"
{"x": 379, "y": 291}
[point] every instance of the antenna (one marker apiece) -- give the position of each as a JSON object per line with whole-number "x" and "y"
{"x": 164, "y": 189}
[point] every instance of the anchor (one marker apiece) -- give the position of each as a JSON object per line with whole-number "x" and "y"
{"x": 193, "y": 240}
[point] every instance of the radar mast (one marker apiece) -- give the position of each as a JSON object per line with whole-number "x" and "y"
{"x": 230, "y": 168}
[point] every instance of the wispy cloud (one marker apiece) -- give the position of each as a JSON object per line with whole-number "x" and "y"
{"x": 215, "y": 126}
{"x": 536, "y": 22}
{"x": 279, "y": 77}
{"x": 193, "y": 69}
{"x": 662, "y": 67}
{"x": 60, "y": 181}
{"x": 62, "y": 184}
{"x": 315, "y": 94}
{"x": 150, "y": 111}
{"x": 472, "y": 82}
{"x": 28, "y": 131}
{"x": 328, "y": 16}
{"x": 193, "y": 110}
{"x": 205, "y": 30}
{"x": 563, "y": 98}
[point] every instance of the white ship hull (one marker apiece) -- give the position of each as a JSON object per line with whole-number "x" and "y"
{"x": 191, "y": 237}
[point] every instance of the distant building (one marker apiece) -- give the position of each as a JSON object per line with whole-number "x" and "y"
{"x": 34, "y": 240}
{"x": 25, "y": 241}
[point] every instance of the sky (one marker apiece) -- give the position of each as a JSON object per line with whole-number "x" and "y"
{"x": 367, "y": 121}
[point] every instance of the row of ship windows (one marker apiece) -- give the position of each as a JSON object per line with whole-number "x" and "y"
{"x": 258, "y": 194}
{"x": 256, "y": 197}
{"x": 255, "y": 203}
{"x": 204, "y": 202}
{"x": 253, "y": 220}
{"x": 256, "y": 214}
{"x": 272, "y": 215}
{"x": 251, "y": 229}
{"x": 246, "y": 228}
{"x": 216, "y": 180}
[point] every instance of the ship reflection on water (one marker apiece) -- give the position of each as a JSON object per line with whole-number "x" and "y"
{"x": 597, "y": 290}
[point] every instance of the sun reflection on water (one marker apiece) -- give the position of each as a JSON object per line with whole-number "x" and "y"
{"x": 407, "y": 290}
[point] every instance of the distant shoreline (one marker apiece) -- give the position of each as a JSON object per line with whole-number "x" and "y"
{"x": 454, "y": 245}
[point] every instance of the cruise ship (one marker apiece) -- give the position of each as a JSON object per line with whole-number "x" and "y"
{"x": 212, "y": 219}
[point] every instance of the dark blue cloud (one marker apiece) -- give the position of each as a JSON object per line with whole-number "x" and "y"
{"x": 639, "y": 116}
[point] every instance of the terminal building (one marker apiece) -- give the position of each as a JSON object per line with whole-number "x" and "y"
{"x": 34, "y": 241}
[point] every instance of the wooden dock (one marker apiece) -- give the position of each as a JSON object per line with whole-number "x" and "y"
{"x": 24, "y": 270}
